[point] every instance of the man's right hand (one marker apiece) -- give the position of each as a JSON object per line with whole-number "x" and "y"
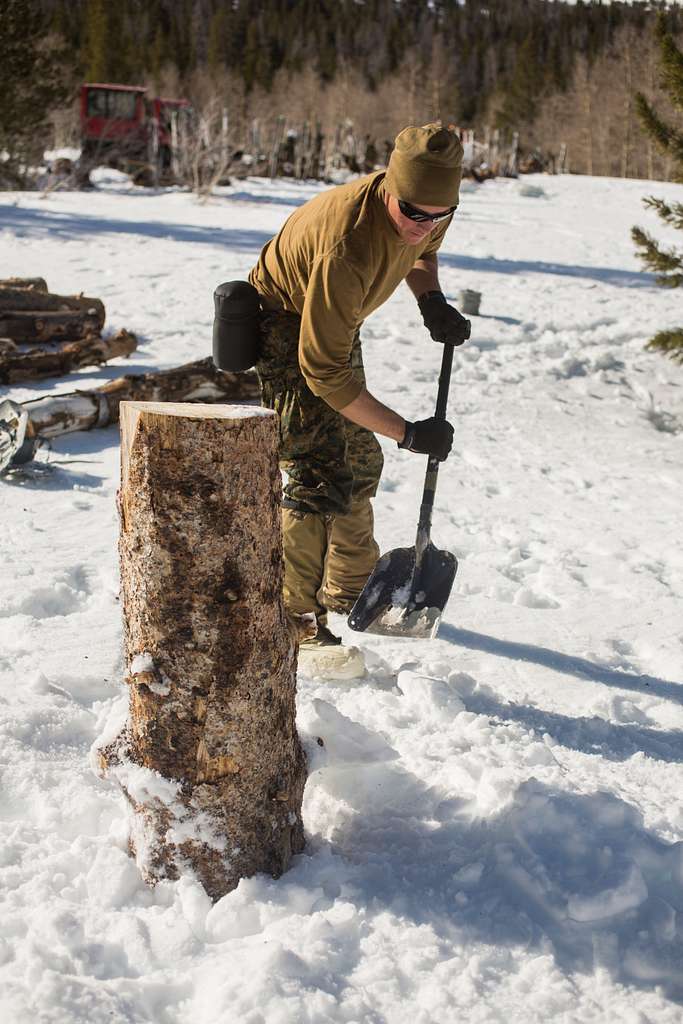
{"x": 428, "y": 437}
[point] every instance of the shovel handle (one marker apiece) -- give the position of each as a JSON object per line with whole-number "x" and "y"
{"x": 424, "y": 525}
{"x": 444, "y": 382}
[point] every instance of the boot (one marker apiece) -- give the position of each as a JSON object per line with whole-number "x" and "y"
{"x": 324, "y": 637}
{"x": 304, "y": 537}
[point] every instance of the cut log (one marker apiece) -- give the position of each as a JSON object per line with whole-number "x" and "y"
{"x": 90, "y": 351}
{"x": 99, "y": 407}
{"x": 36, "y": 284}
{"x": 209, "y": 760}
{"x": 32, "y": 301}
{"x": 40, "y": 325}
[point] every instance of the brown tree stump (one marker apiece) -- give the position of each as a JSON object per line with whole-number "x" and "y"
{"x": 210, "y": 759}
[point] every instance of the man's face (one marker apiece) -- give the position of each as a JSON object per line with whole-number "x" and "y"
{"x": 412, "y": 232}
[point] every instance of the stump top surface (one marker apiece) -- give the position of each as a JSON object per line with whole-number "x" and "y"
{"x": 198, "y": 410}
{"x": 172, "y": 420}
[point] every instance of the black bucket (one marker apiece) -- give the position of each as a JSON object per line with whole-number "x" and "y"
{"x": 236, "y": 333}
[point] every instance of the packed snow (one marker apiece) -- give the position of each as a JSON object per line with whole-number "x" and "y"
{"x": 494, "y": 820}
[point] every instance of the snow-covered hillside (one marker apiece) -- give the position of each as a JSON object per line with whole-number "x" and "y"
{"x": 495, "y": 821}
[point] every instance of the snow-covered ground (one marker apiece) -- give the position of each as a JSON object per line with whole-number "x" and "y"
{"x": 495, "y": 822}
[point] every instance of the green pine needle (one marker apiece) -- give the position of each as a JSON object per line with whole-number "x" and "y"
{"x": 666, "y": 263}
{"x": 670, "y": 214}
{"x": 652, "y": 124}
{"x": 672, "y": 69}
{"x": 670, "y": 343}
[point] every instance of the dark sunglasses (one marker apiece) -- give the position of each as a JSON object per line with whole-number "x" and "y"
{"x": 420, "y": 216}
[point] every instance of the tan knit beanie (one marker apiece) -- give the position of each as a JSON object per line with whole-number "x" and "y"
{"x": 425, "y": 166}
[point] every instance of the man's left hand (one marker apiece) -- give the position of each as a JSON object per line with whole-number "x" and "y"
{"x": 443, "y": 322}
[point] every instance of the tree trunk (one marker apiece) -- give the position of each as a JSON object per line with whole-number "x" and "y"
{"x": 90, "y": 351}
{"x": 99, "y": 407}
{"x": 209, "y": 759}
{"x": 628, "y": 103}
{"x": 14, "y": 298}
{"x": 51, "y": 325}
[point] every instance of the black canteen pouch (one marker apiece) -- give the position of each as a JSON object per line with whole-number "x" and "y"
{"x": 236, "y": 326}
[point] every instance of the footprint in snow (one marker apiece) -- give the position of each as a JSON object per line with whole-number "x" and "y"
{"x": 525, "y": 597}
{"x": 528, "y": 598}
{"x": 65, "y": 595}
{"x": 627, "y": 712}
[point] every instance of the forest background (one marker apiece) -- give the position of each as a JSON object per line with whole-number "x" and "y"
{"x": 559, "y": 74}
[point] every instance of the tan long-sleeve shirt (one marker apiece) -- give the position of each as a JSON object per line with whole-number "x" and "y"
{"x": 334, "y": 261}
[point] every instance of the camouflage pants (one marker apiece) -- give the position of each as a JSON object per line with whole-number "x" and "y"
{"x": 333, "y": 468}
{"x": 329, "y": 460}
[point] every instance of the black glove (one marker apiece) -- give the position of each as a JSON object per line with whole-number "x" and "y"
{"x": 428, "y": 437}
{"x": 443, "y": 322}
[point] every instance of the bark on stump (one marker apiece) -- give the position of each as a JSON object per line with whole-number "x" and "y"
{"x": 210, "y": 759}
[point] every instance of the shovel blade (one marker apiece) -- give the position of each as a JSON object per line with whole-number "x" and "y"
{"x": 400, "y": 599}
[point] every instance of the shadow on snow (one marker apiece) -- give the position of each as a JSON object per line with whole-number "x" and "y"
{"x": 567, "y": 664}
{"x": 24, "y": 222}
{"x": 607, "y": 275}
{"x": 613, "y": 741}
{"x": 554, "y": 871}
{"x": 27, "y": 222}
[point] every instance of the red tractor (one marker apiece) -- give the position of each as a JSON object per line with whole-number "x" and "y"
{"x": 123, "y": 127}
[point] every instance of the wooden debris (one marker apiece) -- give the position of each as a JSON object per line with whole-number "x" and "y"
{"x": 84, "y": 410}
{"x": 209, "y": 759}
{"x": 47, "y": 325}
{"x": 27, "y": 299}
{"x": 37, "y": 284}
{"x": 90, "y": 351}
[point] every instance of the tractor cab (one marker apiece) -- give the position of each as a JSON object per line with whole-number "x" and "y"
{"x": 114, "y": 122}
{"x": 124, "y": 127}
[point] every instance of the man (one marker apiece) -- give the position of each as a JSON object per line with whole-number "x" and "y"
{"x": 335, "y": 260}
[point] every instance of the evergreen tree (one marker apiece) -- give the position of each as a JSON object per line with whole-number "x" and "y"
{"x": 667, "y": 263}
{"x": 157, "y": 54}
{"x": 96, "y": 47}
{"x": 525, "y": 87}
{"x": 218, "y": 31}
{"x": 31, "y": 86}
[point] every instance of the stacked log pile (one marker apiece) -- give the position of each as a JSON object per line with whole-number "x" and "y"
{"x": 30, "y": 313}
{"x": 63, "y": 332}
{"x": 17, "y": 365}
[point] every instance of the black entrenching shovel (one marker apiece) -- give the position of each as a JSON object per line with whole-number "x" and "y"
{"x": 408, "y": 589}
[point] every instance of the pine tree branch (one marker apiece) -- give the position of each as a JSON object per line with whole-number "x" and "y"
{"x": 666, "y": 263}
{"x": 670, "y": 343}
{"x": 652, "y": 124}
{"x": 670, "y": 214}
{"x": 672, "y": 69}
